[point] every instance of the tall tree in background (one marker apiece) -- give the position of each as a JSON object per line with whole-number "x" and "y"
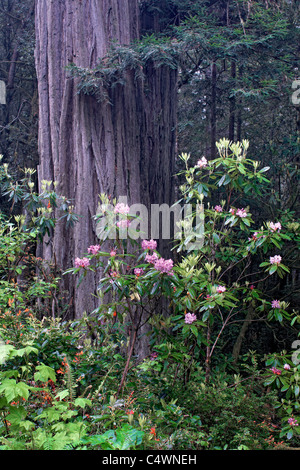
{"x": 122, "y": 146}
{"x": 18, "y": 117}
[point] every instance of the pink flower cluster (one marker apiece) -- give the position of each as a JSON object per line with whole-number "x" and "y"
{"x": 292, "y": 422}
{"x": 190, "y": 318}
{"x": 82, "y": 263}
{"x": 149, "y": 245}
{"x": 275, "y": 304}
{"x": 239, "y": 212}
{"x": 123, "y": 223}
{"x": 138, "y": 271}
{"x": 275, "y": 227}
{"x": 121, "y": 208}
{"x": 161, "y": 264}
{"x": 218, "y": 209}
{"x": 151, "y": 258}
{"x": 114, "y": 274}
{"x": 202, "y": 163}
{"x": 276, "y": 371}
{"x": 275, "y": 259}
{"x": 221, "y": 289}
{"x": 164, "y": 266}
{"x": 94, "y": 249}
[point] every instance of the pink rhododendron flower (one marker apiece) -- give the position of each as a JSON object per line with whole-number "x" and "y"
{"x": 138, "y": 271}
{"x": 292, "y": 422}
{"x": 190, "y": 318}
{"x": 218, "y": 209}
{"x": 276, "y": 226}
{"x": 275, "y": 304}
{"x": 221, "y": 289}
{"x": 113, "y": 253}
{"x": 275, "y": 259}
{"x": 153, "y": 356}
{"x": 286, "y": 366}
{"x": 164, "y": 265}
{"x": 149, "y": 245}
{"x": 94, "y": 249}
{"x": 275, "y": 371}
{"x": 82, "y": 263}
{"x": 241, "y": 213}
{"x": 114, "y": 273}
{"x": 123, "y": 223}
{"x": 151, "y": 258}
{"x": 202, "y": 163}
{"x": 121, "y": 208}
{"x": 254, "y": 237}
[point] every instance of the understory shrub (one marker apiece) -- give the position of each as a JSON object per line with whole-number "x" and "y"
{"x": 81, "y": 384}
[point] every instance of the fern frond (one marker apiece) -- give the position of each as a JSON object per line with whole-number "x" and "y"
{"x": 70, "y": 379}
{"x": 48, "y": 444}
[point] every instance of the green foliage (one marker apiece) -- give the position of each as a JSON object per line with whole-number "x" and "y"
{"x": 69, "y": 385}
{"x": 124, "y": 438}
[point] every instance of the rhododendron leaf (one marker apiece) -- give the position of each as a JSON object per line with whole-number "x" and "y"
{"x": 260, "y": 241}
{"x": 275, "y": 243}
{"x": 242, "y": 169}
{"x": 285, "y": 268}
{"x": 263, "y": 170}
{"x": 194, "y": 330}
{"x": 221, "y": 181}
{"x": 270, "y": 380}
{"x": 273, "y": 269}
{"x": 155, "y": 288}
{"x": 247, "y": 222}
{"x": 205, "y": 315}
{"x": 216, "y": 238}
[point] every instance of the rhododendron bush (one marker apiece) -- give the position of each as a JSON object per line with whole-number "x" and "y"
{"x": 215, "y": 283}
{"x": 151, "y": 359}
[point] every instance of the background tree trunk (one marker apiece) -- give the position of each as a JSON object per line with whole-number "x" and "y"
{"x": 122, "y": 148}
{"x": 213, "y": 116}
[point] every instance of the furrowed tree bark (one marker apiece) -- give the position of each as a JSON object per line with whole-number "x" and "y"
{"x": 122, "y": 148}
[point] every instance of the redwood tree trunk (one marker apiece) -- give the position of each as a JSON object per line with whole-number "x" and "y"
{"x": 125, "y": 148}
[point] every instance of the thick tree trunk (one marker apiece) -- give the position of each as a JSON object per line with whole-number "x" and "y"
{"x": 125, "y": 148}
{"x": 213, "y": 115}
{"x": 232, "y": 105}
